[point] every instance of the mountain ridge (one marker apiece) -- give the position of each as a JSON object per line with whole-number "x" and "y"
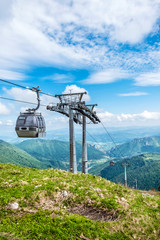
{"x": 56, "y": 152}
{"x": 11, "y": 154}
{"x": 137, "y": 146}
{"x": 145, "y": 168}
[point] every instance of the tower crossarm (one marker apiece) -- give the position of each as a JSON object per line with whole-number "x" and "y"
{"x": 63, "y": 109}
{"x": 71, "y": 97}
{"x": 81, "y": 107}
{"x": 85, "y": 113}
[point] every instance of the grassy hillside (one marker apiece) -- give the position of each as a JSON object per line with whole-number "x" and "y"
{"x": 56, "y": 153}
{"x": 54, "y": 204}
{"x": 137, "y": 146}
{"x": 145, "y": 168}
{"x": 11, "y": 154}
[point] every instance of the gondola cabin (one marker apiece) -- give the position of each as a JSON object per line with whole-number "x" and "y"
{"x": 111, "y": 163}
{"x": 30, "y": 125}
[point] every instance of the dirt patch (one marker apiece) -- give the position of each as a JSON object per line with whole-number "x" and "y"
{"x": 16, "y": 173}
{"x": 123, "y": 202}
{"x": 8, "y": 236}
{"x": 151, "y": 192}
{"x": 94, "y": 213}
{"x": 45, "y": 203}
{"x": 52, "y": 203}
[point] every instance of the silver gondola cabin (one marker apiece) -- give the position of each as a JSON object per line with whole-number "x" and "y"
{"x": 31, "y": 124}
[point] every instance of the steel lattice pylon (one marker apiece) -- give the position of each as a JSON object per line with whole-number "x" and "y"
{"x": 72, "y": 106}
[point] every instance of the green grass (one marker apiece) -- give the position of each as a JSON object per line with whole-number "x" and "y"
{"x": 54, "y": 204}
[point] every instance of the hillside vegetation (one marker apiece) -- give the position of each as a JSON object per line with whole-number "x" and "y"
{"x": 56, "y": 153}
{"x": 52, "y": 153}
{"x": 137, "y": 146}
{"x": 145, "y": 168}
{"x": 54, "y": 204}
{"x": 11, "y": 154}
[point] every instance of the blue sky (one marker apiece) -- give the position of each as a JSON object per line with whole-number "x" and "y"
{"x": 110, "y": 48}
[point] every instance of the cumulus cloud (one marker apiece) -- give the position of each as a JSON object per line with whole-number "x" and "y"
{"x": 124, "y": 119}
{"x": 132, "y": 94}
{"x": 27, "y": 95}
{"x": 76, "y": 89}
{"x": 21, "y": 94}
{"x": 30, "y": 97}
{"x": 4, "y": 109}
{"x": 9, "y": 123}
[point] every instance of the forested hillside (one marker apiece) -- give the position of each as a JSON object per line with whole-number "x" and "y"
{"x": 56, "y": 153}
{"x": 137, "y": 146}
{"x": 144, "y": 168}
{"x": 11, "y": 154}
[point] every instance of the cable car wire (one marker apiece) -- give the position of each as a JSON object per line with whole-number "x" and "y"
{"x": 27, "y": 88}
{"x": 20, "y": 86}
{"x": 20, "y": 101}
{"x": 91, "y": 136}
{"x": 116, "y": 146}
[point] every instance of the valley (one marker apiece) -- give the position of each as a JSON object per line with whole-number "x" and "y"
{"x": 142, "y": 154}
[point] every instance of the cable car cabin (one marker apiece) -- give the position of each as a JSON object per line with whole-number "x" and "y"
{"x": 111, "y": 163}
{"x": 30, "y": 125}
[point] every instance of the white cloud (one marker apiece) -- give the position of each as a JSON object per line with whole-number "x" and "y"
{"x": 133, "y": 94}
{"x": 73, "y": 33}
{"x": 5, "y": 10}
{"x": 123, "y": 119}
{"x": 21, "y": 94}
{"x": 28, "y": 96}
{"x": 150, "y": 115}
{"x": 11, "y": 75}
{"x": 134, "y": 20}
{"x": 60, "y": 78}
{"x": 9, "y": 123}
{"x": 148, "y": 79}
{"x": 76, "y": 89}
{"x": 4, "y": 109}
{"x": 108, "y": 76}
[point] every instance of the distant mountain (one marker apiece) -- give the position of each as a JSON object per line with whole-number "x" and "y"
{"x": 56, "y": 153}
{"x": 119, "y": 134}
{"x": 145, "y": 168}
{"x": 136, "y": 147}
{"x": 11, "y": 154}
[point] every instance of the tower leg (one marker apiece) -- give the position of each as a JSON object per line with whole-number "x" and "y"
{"x": 84, "y": 148}
{"x": 73, "y": 163}
{"x": 125, "y": 176}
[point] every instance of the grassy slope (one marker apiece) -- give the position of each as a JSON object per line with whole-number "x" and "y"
{"x": 57, "y": 152}
{"x": 145, "y": 168}
{"x": 11, "y": 154}
{"x": 52, "y": 203}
